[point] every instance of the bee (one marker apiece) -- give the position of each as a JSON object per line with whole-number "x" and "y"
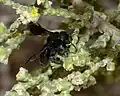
{"x": 56, "y": 43}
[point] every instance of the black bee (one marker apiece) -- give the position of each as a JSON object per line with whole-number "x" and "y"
{"x": 57, "y": 43}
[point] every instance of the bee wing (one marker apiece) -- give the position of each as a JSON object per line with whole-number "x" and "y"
{"x": 38, "y": 55}
{"x": 33, "y": 57}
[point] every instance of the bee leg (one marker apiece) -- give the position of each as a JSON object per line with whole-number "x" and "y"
{"x": 74, "y": 47}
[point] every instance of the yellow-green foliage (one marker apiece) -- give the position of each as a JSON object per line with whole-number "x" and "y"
{"x": 96, "y": 45}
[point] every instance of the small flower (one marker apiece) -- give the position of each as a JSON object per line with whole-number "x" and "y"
{"x": 76, "y": 78}
{"x": 34, "y": 12}
{"x": 110, "y": 66}
{"x": 68, "y": 64}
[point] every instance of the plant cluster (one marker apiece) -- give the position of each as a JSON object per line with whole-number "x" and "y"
{"x": 95, "y": 35}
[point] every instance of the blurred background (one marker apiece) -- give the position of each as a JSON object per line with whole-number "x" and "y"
{"x": 109, "y": 87}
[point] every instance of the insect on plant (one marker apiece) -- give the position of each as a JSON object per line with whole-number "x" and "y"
{"x": 57, "y": 43}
